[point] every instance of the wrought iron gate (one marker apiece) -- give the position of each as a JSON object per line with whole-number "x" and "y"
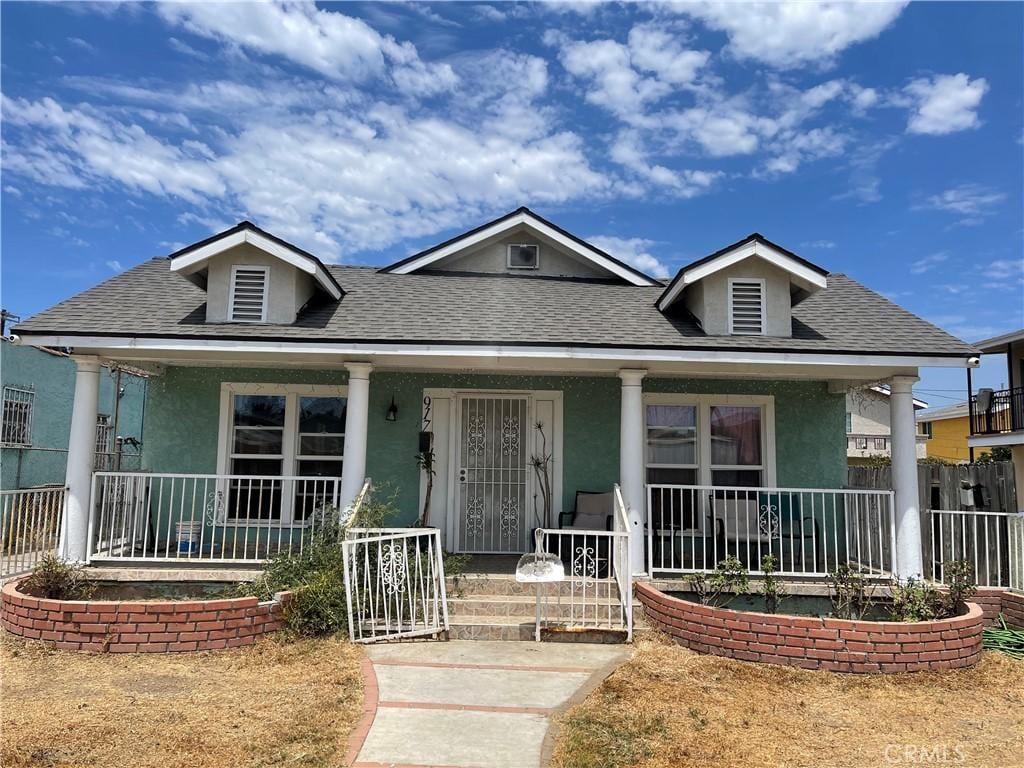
{"x": 394, "y": 582}
{"x": 493, "y": 473}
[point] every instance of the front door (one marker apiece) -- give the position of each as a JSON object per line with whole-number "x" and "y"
{"x": 493, "y": 473}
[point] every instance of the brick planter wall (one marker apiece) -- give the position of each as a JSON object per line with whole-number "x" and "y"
{"x": 150, "y": 626}
{"x": 837, "y": 645}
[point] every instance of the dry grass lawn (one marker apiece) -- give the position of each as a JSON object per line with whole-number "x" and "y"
{"x": 672, "y": 708}
{"x": 273, "y": 704}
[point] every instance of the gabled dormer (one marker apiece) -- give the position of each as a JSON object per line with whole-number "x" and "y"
{"x": 521, "y": 243}
{"x": 250, "y": 276}
{"x": 746, "y": 289}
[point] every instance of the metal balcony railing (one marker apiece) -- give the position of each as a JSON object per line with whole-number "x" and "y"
{"x": 994, "y": 413}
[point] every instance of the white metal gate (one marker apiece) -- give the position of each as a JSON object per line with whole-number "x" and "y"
{"x": 394, "y": 583}
{"x": 493, "y": 473}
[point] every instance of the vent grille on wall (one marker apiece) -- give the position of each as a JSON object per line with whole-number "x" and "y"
{"x": 249, "y": 294}
{"x": 746, "y": 307}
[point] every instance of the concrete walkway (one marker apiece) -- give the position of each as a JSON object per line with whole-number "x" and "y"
{"x": 471, "y": 704}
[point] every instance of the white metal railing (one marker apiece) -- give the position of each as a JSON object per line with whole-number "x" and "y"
{"x": 810, "y": 532}
{"x": 598, "y": 589}
{"x": 394, "y": 583}
{"x": 1015, "y": 531}
{"x": 207, "y": 518}
{"x": 622, "y": 564}
{"x": 984, "y": 540}
{"x": 29, "y": 527}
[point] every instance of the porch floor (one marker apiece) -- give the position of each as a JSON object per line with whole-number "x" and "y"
{"x": 493, "y": 564}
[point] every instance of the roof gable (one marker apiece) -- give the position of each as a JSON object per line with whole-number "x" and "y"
{"x": 193, "y": 258}
{"x": 807, "y": 276}
{"x": 522, "y": 218}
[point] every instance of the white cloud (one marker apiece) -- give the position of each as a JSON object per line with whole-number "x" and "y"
{"x": 819, "y": 244}
{"x": 114, "y": 265}
{"x": 627, "y": 151}
{"x": 945, "y": 103}
{"x": 83, "y": 44}
{"x": 971, "y": 200}
{"x": 926, "y": 263}
{"x": 635, "y": 251}
{"x": 1003, "y": 269}
{"x": 615, "y": 85}
{"x": 791, "y": 34}
{"x": 653, "y": 49}
{"x": 337, "y": 46}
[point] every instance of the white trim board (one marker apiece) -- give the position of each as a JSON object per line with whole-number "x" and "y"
{"x": 193, "y": 260}
{"x": 110, "y": 345}
{"x": 806, "y": 278}
{"x": 522, "y": 218}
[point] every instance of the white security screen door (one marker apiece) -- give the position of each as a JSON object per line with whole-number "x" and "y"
{"x": 493, "y": 473}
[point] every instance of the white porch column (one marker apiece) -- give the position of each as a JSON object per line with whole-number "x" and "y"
{"x": 81, "y": 457}
{"x": 353, "y": 468}
{"x": 631, "y": 461}
{"x": 909, "y": 558}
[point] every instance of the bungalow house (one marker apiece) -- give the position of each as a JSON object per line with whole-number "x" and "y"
{"x": 490, "y": 383}
{"x": 868, "y": 433}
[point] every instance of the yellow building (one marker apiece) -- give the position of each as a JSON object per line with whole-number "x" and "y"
{"x": 947, "y": 430}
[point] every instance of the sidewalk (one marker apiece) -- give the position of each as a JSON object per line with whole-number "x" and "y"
{"x": 471, "y": 704}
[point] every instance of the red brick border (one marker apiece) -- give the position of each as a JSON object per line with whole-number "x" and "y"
{"x": 149, "y": 626}
{"x": 837, "y": 645}
{"x": 371, "y": 695}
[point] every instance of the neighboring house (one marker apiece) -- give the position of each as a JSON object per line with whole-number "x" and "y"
{"x": 868, "y": 430}
{"x": 519, "y": 356}
{"x": 997, "y": 418}
{"x": 38, "y": 388}
{"x": 945, "y": 431}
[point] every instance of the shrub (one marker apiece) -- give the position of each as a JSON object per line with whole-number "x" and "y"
{"x": 916, "y": 600}
{"x": 56, "y": 580}
{"x": 851, "y": 594}
{"x": 728, "y": 581}
{"x": 771, "y": 588}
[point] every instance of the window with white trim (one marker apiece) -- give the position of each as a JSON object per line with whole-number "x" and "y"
{"x": 524, "y": 256}
{"x": 248, "y": 300}
{"x": 104, "y": 432}
{"x": 16, "y": 426}
{"x": 282, "y": 431}
{"x": 746, "y": 306}
{"x": 722, "y": 440}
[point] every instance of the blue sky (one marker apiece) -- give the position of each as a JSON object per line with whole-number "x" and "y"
{"x": 879, "y": 140}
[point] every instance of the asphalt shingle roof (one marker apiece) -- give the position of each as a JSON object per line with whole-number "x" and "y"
{"x": 151, "y": 301}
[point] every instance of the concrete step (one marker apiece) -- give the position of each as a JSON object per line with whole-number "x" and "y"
{"x": 489, "y": 628}
{"x": 489, "y": 584}
{"x": 525, "y": 606}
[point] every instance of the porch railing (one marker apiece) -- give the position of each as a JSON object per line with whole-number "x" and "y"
{"x": 394, "y": 583}
{"x": 141, "y": 516}
{"x": 598, "y": 590}
{"x": 29, "y": 527}
{"x": 990, "y": 542}
{"x": 1015, "y": 530}
{"x": 810, "y": 532}
{"x": 992, "y": 413}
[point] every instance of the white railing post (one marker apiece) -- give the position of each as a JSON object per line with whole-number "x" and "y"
{"x": 631, "y": 456}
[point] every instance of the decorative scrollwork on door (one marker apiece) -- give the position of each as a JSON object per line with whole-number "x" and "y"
{"x": 510, "y": 435}
{"x": 509, "y": 517}
{"x": 476, "y": 435}
{"x": 475, "y": 516}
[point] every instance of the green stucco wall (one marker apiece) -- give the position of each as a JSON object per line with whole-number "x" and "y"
{"x": 183, "y": 414}
{"x": 52, "y": 378}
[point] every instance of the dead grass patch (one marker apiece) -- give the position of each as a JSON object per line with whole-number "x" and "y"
{"x": 669, "y": 707}
{"x": 272, "y": 704}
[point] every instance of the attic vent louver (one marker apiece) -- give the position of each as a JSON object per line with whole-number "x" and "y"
{"x": 746, "y": 307}
{"x": 249, "y": 294}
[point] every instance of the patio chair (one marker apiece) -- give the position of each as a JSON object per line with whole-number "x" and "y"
{"x": 752, "y": 526}
{"x": 593, "y": 512}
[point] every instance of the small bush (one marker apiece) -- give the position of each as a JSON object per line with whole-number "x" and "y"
{"x": 54, "y": 579}
{"x": 851, "y": 594}
{"x": 915, "y": 600}
{"x": 728, "y": 581}
{"x": 772, "y": 590}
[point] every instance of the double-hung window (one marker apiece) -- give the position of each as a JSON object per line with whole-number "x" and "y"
{"x": 283, "y": 448}
{"x": 723, "y": 440}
